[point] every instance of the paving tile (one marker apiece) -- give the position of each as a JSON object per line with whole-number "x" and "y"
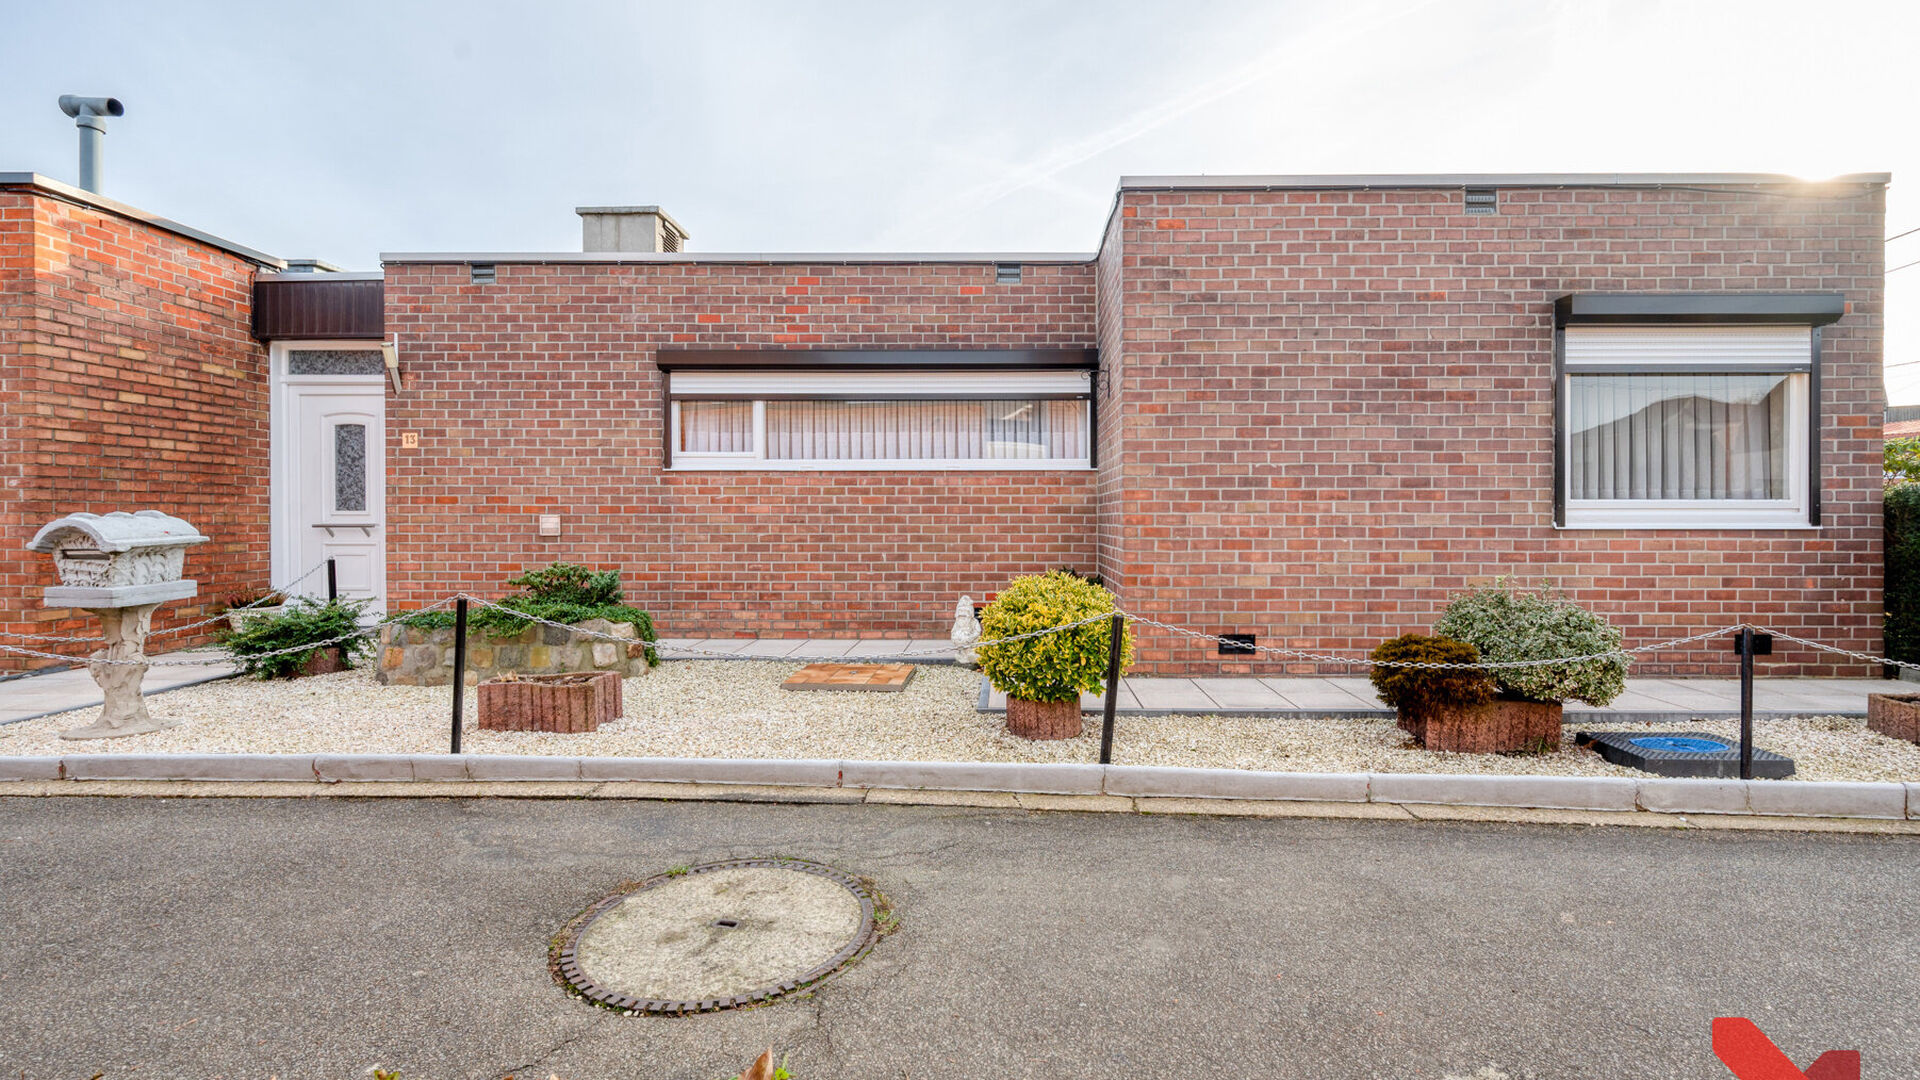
{"x": 771, "y": 648}
{"x": 1241, "y": 694}
{"x": 878, "y": 647}
{"x": 1169, "y": 693}
{"x": 824, "y": 647}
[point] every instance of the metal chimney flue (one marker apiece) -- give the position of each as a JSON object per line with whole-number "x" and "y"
{"x": 90, "y": 116}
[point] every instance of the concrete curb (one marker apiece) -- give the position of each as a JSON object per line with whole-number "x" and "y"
{"x": 1656, "y": 795}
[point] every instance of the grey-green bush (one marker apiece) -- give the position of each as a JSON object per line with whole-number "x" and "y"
{"x": 1506, "y": 622}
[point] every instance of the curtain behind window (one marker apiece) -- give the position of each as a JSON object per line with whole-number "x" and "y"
{"x": 1677, "y": 436}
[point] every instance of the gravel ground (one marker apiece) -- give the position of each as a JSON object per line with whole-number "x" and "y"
{"x": 736, "y": 709}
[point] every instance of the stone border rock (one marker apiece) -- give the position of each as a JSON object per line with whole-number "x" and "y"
{"x": 566, "y": 967}
{"x": 1777, "y": 798}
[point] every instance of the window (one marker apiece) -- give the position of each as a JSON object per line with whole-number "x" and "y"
{"x": 880, "y": 420}
{"x": 1684, "y": 426}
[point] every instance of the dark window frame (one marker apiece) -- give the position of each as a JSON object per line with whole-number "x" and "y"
{"x": 1812, "y": 310}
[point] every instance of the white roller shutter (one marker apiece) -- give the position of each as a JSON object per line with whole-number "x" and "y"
{"x": 1697, "y": 347}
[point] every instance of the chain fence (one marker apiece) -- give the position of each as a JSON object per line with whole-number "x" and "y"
{"x": 282, "y": 591}
{"x": 679, "y": 650}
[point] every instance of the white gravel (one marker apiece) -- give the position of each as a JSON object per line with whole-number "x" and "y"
{"x": 735, "y": 709}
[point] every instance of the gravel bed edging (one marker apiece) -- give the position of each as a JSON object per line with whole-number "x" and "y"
{"x": 1779, "y": 798}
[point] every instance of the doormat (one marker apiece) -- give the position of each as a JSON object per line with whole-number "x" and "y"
{"x": 885, "y": 678}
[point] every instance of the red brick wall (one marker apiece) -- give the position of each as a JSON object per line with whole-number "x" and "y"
{"x": 539, "y": 394}
{"x": 1337, "y": 412}
{"x": 131, "y": 382}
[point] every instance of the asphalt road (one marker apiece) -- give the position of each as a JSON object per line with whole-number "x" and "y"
{"x": 320, "y": 937}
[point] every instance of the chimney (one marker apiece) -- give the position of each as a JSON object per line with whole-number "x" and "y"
{"x": 629, "y": 228}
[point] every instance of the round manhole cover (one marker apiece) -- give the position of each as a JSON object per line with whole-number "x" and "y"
{"x": 716, "y": 936}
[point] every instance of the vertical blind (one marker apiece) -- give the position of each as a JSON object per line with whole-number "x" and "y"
{"x": 1679, "y": 437}
{"x": 903, "y": 430}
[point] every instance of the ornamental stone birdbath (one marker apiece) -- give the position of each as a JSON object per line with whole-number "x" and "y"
{"x": 121, "y": 567}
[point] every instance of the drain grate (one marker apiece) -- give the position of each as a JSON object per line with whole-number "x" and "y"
{"x": 716, "y": 936}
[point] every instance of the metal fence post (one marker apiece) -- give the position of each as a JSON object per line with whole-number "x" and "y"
{"x": 1115, "y": 634}
{"x": 333, "y": 586}
{"x": 459, "y": 666}
{"x": 1746, "y": 702}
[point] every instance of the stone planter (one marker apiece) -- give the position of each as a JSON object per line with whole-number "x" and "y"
{"x": 1500, "y": 726}
{"x": 1043, "y": 719}
{"x": 411, "y": 656}
{"x": 1897, "y": 716}
{"x": 568, "y": 704}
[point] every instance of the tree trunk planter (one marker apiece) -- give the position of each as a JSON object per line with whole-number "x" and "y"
{"x": 1897, "y": 716}
{"x": 567, "y": 703}
{"x": 1500, "y": 726}
{"x": 1043, "y": 719}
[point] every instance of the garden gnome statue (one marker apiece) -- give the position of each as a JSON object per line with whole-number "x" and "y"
{"x": 966, "y": 631}
{"x": 121, "y": 567}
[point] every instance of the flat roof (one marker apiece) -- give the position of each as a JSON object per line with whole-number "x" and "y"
{"x": 836, "y": 258}
{"x": 68, "y": 193}
{"x": 1335, "y": 181}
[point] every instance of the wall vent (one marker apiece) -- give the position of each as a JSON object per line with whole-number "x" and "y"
{"x": 1483, "y": 201}
{"x": 1236, "y": 644}
{"x": 482, "y": 273}
{"x": 1006, "y": 273}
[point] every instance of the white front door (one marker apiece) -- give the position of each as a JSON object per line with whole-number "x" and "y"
{"x": 330, "y": 484}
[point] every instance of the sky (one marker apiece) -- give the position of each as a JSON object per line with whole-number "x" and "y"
{"x": 344, "y": 129}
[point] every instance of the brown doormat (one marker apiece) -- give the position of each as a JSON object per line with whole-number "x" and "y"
{"x": 886, "y": 678}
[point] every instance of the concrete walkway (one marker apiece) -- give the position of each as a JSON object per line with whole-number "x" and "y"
{"x": 73, "y": 688}
{"x": 1645, "y": 699}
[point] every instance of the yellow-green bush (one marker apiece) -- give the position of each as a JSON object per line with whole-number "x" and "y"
{"x": 1051, "y": 667}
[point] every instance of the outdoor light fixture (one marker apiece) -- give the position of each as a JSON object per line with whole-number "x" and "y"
{"x": 390, "y": 352}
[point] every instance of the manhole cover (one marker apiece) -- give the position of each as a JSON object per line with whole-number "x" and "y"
{"x": 717, "y": 936}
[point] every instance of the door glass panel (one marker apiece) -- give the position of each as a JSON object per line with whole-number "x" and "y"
{"x": 350, "y": 467}
{"x": 335, "y": 362}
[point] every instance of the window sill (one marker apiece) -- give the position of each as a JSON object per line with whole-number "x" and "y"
{"x": 1726, "y": 524}
{"x": 757, "y": 465}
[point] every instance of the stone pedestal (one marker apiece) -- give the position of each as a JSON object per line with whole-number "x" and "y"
{"x": 125, "y": 712}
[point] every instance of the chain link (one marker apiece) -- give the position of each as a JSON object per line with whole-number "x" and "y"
{"x": 365, "y": 631}
{"x": 949, "y": 650}
{"x": 282, "y": 591}
{"x": 1868, "y": 657}
{"x": 1484, "y": 665}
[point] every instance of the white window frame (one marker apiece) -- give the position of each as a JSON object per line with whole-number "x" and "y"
{"x": 1791, "y": 512}
{"x": 853, "y": 385}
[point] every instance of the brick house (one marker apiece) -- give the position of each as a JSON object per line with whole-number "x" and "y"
{"x": 1303, "y": 408}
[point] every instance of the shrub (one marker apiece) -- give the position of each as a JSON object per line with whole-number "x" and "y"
{"x": 566, "y": 583}
{"x": 1051, "y": 667}
{"x": 1509, "y": 623}
{"x": 304, "y": 622}
{"x": 1902, "y": 519}
{"x": 1902, "y": 459}
{"x": 562, "y": 593}
{"x": 1418, "y": 689}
